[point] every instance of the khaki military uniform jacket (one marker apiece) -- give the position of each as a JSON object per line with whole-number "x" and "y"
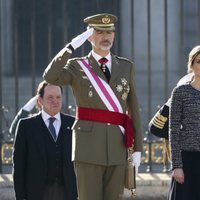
{"x": 98, "y": 143}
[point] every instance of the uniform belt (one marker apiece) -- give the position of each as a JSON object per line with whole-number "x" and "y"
{"x": 106, "y": 116}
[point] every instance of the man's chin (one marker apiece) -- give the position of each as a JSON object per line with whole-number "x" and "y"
{"x": 105, "y": 48}
{"x": 55, "y": 111}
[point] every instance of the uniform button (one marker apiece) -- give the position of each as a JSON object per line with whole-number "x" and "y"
{"x": 68, "y": 127}
{"x": 108, "y": 124}
{"x": 79, "y": 128}
{"x": 59, "y": 58}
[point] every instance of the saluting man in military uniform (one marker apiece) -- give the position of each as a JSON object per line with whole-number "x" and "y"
{"x": 108, "y": 119}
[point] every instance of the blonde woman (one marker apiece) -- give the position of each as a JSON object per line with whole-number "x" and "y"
{"x": 184, "y": 134}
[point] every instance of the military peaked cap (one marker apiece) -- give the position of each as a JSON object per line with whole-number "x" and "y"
{"x": 103, "y": 22}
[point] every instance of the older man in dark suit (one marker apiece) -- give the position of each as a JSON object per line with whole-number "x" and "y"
{"x": 42, "y": 151}
{"x": 104, "y": 89}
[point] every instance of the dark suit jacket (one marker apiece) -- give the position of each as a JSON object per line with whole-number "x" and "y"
{"x": 20, "y": 115}
{"x": 29, "y": 159}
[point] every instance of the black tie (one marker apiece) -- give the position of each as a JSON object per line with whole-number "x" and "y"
{"x": 104, "y": 68}
{"x": 52, "y": 128}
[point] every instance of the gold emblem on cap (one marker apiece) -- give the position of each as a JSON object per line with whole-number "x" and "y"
{"x": 106, "y": 20}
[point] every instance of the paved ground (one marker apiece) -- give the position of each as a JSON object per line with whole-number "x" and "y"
{"x": 150, "y": 186}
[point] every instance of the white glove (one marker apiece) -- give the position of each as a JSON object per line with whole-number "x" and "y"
{"x": 136, "y": 156}
{"x": 80, "y": 39}
{"x": 30, "y": 104}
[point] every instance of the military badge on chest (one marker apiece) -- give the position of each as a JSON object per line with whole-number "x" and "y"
{"x": 86, "y": 80}
{"x": 123, "y": 88}
{"x": 90, "y": 93}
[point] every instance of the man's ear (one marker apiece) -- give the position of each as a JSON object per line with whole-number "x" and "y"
{"x": 39, "y": 102}
{"x": 39, "y": 105}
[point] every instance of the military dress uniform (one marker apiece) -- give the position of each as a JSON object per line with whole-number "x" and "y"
{"x": 93, "y": 142}
{"x": 159, "y": 126}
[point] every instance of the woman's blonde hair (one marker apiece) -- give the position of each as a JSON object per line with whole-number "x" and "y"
{"x": 192, "y": 55}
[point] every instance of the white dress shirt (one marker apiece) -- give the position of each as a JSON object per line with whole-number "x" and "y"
{"x": 97, "y": 57}
{"x": 56, "y": 123}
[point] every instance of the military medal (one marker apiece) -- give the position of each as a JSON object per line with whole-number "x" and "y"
{"x": 123, "y": 88}
{"x": 124, "y": 81}
{"x": 103, "y": 68}
{"x": 119, "y": 88}
{"x": 124, "y": 96}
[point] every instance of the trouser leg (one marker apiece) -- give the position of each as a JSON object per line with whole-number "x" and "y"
{"x": 99, "y": 182}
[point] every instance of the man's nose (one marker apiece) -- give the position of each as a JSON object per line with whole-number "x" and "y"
{"x": 54, "y": 100}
